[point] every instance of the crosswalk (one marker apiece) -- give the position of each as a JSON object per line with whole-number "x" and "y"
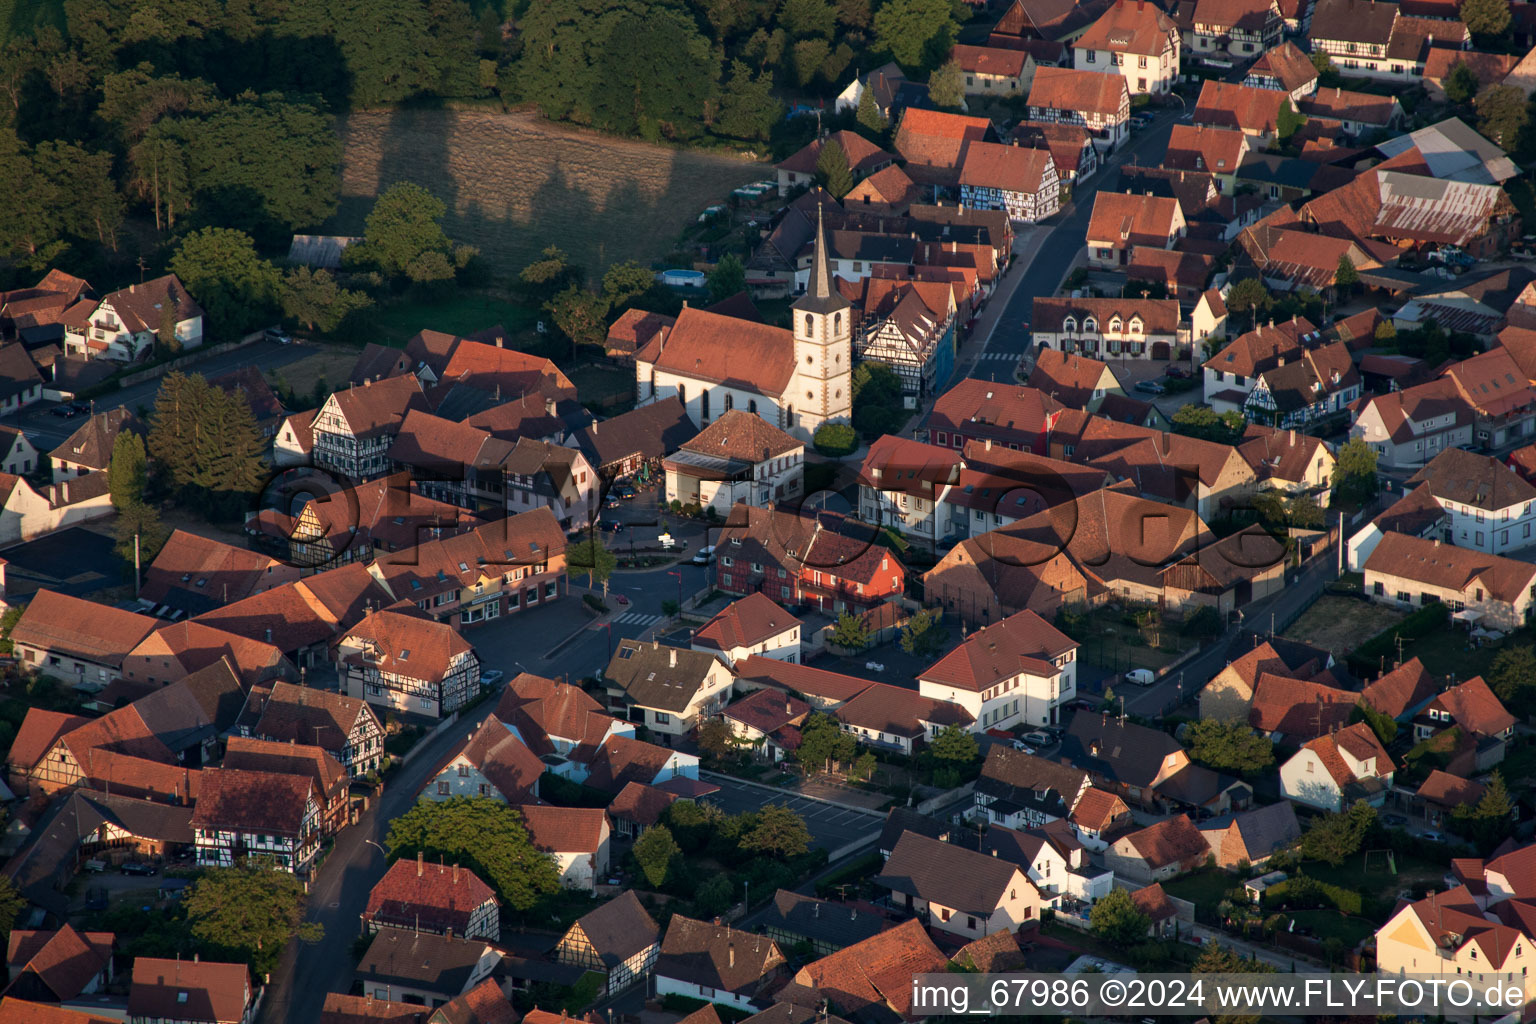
{"x": 1009, "y": 356}
{"x": 636, "y": 619}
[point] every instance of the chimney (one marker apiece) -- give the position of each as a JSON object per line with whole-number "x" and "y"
{"x": 455, "y": 873}
{"x": 269, "y": 636}
{"x": 420, "y": 864}
{"x": 132, "y": 288}
{"x": 815, "y": 909}
{"x": 1293, "y": 437}
{"x": 549, "y": 406}
{"x": 989, "y": 444}
{"x": 500, "y": 341}
{"x": 730, "y": 950}
{"x": 673, "y": 658}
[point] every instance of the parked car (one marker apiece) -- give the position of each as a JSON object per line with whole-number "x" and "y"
{"x": 620, "y": 599}
{"x": 1432, "y": 837}
{"x": 1141, "y": 676}
{"x": 278, "y": 335}
{"x": 1038, "y": 739}
{"x": 1395, "y": 820}
{"x": 1177, "y": 372}
{"x": 626, "y": 492}
{"x": 492, "y": 677}
{"x": 705, "y": 555}
{"x": 139, "y": 867}
{"x": 612, "y": 527}
{"x": 873, "y": 666}
{"x": 1148, "y": 387}
{"x": 1020, "y": 745}
{"x": 65, "y": 412}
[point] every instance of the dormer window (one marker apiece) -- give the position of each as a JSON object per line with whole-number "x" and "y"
{"x": 1136, "y": 325}
{"x": 1115, "y": 325}
{"x": 1090, "y": 325}
{"x": 1069, "y": 324}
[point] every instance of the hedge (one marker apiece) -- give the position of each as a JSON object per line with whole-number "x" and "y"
{"x": 1305, "y": 887}
{"x": 1365, "y": 660}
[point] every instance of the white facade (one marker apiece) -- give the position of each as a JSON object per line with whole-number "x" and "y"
{"x": 1494, "y": 532}
{"x": 1144, "y": 74}
{"x": 1020, "y": 904}
{"x": 1023, "y": 699}
{"x": 1306, "y": 780}
{"x": 672, "y": 986}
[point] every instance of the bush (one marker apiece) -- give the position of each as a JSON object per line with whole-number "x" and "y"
{"x": 835, "y": 440}
{"x": 594, "y": 602}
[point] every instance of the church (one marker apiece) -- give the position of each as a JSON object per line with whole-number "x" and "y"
{"x": 797, "y": 379}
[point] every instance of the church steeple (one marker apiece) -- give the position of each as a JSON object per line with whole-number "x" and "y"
{"x": 820, "y": 295}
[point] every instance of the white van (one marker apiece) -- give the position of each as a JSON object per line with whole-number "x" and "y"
{"x": 705, "y": 555}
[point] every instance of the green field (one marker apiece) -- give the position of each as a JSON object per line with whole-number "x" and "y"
{"x": 465, "y": 313}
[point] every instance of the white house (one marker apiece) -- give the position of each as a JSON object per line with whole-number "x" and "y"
{"x": 740, "y": 457}
{"x": 962, "y": 892}
{"x": 903, "y": 484}
{"x": 1333, "y": 771}
{"x": 669, "y": 687}
{"x": 123, "y": 326}
{"x": 576, "y": 837}
{"x": 753, "y": 625}
{"x": 1020, "y": 671}
{"x": 493, "y": 763}
{"x": 1410, "y": 572}
{"x": 1457, "y": 936}
{"x": 17, "y": 456}
{"x": 1135, "y": 39}
{"x": 1488, "y": 506}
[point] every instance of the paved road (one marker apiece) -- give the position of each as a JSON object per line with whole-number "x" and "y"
{"x": 47, "y": 431}
{"x": 1056, "y": 253}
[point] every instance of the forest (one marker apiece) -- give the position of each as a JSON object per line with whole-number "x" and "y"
{"x": 133, "y": 123}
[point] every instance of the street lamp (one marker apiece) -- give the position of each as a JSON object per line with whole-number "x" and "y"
{"x": 376, "y": 846}
{"x": 679, "y": 575}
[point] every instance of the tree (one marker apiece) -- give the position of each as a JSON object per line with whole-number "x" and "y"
{"x": 921, "y": 636}
{"x": 1502, "y": 115}
{"x": 1381, "y": 723}
{"x": 655, "y": 852}
{"x": 954, "y": 744}
{"x": 1248, "y": 296}
{"x": 625, "y": 281}
{"x": 1486, "y": 17}
{"x": 823, "y": 744}
{"x": 551, "y": 272}
{"x": 832, "y": 171}
{"x": 1303, "y": 511}
{"x": 806, "y": 57}
{"x": 1228, "y": 746}
{"x": 1215, "y": 958}
{"x": 915, "y": 32}
{"x": 835, "y": 440}
{"x": 1487, "y": 822}
{"x": 1346, "y": 277}
{"x": 869, "y": 116}
{"x": 727, "y": 278}
{"x": 1513, "y": 675}
{"x": 1288, "y": 120}
{"x": 141, "y": 521}
{"x": 1322, "y": 62}
{"x": 850, "y": 632}
{"x": 748, "y": 109}
{"x": 485, "y": 835}
{"x": 237, "y": 289}
{"x": 1203, "y": 422}
{"x": 1335, "y": 838}
{"x": 1461, "y": 84}
{"x": 878, "y": 407}
{"x": 779, "y": 832}
{"x": 716, "y": 739}
{"x": 249, "y": 912}
{"x": 174, "y": 425}
{"x": 946, "y": 86}
{"x": 12, "y": 903}
{"x": 657, "y": 77}
{"x": 590, "y": 559}
{"x": 129, "y": 470}
{"x": 1117, "y": 919}
{"x": 313, "y": 299}
{"x": 403, "y": 236}
{"x": 580, "y": 315}
{"x": 1354, "y": 472}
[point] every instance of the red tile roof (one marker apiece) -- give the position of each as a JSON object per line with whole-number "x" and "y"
{"x": 1198, "y": 147}
{"x": 1473, "y": 707}
{"x": 1124, "y": 220}
{"x": 1449, "y": 790}
{"x": 640, "y": 803}
{"x": 742, "y": 435}
{"x": 1097, "y": 809}
{"x": 253, "y": 801}
{"x": 564, "y": 829}
{"x": 440, "y": 896}
{"x": 876, "y": 974}
{"x": 503, "y": 759}
{"x": 747, "y": 622}
{"x": 1135, "y": 27}
{"x": 1078, "y": 91}
{"x": 39, "y": 731}
{"x": 724, "y": 350}
{"x": 1225, "y": 105}
{"x": 16, "y": 1011}
{"x": 989, "y": 60}
{"x": 408, "y": 644}
{"x": 72, "y": 626}
{"x": 1174, "y": 840}
{"x": 930, "y": 138}
{"x": 1359, "y": 741}
{"x": 819, "y": 683}
{"x": 1022, "y": 642}
{"x": 515, "y": 373}
{"x": 1402, "y": 689}
{"x": 861, "y": 153}
{"x": 306, "y": 759}
{"x": 188, "y": 990}
{"x": 1443, "y": 565}
{"x": 1009, "y": 168}
{"x": 64, "y": 961}
{"x": 1298, "y": 708}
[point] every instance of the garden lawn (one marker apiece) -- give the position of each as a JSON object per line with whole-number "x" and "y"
{"x": 1378, "y": 884}
{"x": 1205, "y": 889}
{"x": 1334, "y": 924}
{"x": 1450, "y": 651}
{"x": 396, "y": 322}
